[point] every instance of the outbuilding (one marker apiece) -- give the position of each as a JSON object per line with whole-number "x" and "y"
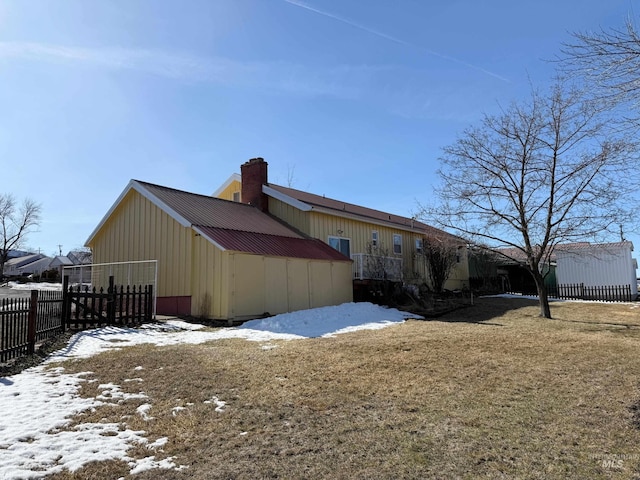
{"x": 219, "y": 259}
{"x": 601, "y": 265}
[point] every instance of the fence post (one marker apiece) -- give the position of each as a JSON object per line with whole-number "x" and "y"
{"x": 149, "y": 309}
{"x": 66, "y": 304}
{"x": 111, "y": 311}
{"x": 31, "y": 323}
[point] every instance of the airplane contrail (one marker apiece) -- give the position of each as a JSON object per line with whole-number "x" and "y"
{"x": 391, "y": 38}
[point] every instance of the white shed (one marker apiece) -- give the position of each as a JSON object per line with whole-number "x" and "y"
{"x": 597, "y": 265}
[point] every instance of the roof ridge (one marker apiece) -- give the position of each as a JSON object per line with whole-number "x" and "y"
{"x": 411, "y": 221}
{"x": 155, "y": 185}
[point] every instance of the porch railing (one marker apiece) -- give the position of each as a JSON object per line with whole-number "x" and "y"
{"x": 376, "y": 267}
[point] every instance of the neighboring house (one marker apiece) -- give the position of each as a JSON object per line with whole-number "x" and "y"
{"x": 80, "y": 271}
{"x": 580, "y": 263}
{"x": 219, "y": 259}
{"x": 597, "y": 265}
{"x": 36, "y": 268}
{"x": 374, "y": 240}
{"x": 24, "y": 265}
{"x": 59, "y": 262}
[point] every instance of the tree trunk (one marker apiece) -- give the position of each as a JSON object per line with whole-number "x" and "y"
{"x": 543, "y": 296}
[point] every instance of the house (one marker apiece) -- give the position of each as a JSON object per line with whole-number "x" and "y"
{"x": 381, "y": 245}
{"x": 597, "y": 265}
{"x": 219, "y": 259}
{"x": 80, "y": 269}
{"x": 25, "y": 265}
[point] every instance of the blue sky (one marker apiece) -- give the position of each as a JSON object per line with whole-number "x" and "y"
{"x": 350, "y": 99}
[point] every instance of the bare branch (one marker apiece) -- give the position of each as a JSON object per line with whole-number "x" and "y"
{"x": 541, "y": 173}
{"x": 15, "y": 223}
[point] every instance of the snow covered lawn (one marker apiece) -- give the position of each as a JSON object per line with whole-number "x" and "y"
{"x": 38, "y": 437}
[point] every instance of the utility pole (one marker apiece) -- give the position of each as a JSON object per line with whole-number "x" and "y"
{"x": 60, "y": 248}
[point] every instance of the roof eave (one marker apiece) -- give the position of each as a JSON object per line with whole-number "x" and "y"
{"x": 135, "y": 185}
{"x": 203, "y": 234}
{"x": 283, "y": 197}
{"x": 373, "y": 221}
{"x": 235, "y": 177}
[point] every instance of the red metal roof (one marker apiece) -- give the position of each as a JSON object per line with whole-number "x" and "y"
{"x": 240, "y": 227}
{"x": 279, "y": 246}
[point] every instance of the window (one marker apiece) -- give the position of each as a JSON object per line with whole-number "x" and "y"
{"x": 418, "y": 245}
{"x": 341, "y": 244}
{"x": 397, "y": 244}
{"x": 236, "y": 196}
{"x": 374, "y": 239}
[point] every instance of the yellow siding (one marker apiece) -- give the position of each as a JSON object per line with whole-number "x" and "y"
{"x": 210, "y": 286}
{"x": 138, "y": 230}
{"x": 227, "y": 193}
{"x": 291, "y": 215}
{"x": 276, "y": 293}
{"x": 297, "y": 287}
{"x": 459, "y": 278}
{"x": 275, "y": 285}
{"x": 249, "y": 283}
{"x": 322, "y": 226}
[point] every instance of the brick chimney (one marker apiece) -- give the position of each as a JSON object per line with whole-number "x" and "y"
{"x": 254, "y": 175}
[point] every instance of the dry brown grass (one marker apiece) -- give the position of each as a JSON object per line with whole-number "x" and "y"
{"x": 491, "y": 391}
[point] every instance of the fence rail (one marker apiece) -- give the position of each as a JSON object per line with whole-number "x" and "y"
{"x": 26, "y": 321}
{"x": 609, "y": 293}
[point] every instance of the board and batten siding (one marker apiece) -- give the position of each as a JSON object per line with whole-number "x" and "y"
{"x": 210, "y": 292}
{"x": 239, "y": 286}
{"x": 290, "y": 215}
{"x": 270, "y": 285}
{"x": 138, "y": 230}
{"x": 322, "y": 226}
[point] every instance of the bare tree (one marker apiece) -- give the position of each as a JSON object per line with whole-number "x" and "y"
{"x": 440, "y": 257}
{"x": 16, "y": 221}
{"x": 539, "y": 173}
{"x": 610, "y": 62}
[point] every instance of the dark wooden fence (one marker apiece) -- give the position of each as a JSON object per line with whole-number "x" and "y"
{"x": 117, "y": 305}
{"x": 26, "y": 321}
{"x": 617, "y": 293}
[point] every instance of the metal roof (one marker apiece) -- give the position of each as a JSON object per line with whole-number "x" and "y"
{"x": 230, "y": 225}
{"x": 206, "y": 211}
{"x": 341, "y": 208}
{"x": 262, "y": 244}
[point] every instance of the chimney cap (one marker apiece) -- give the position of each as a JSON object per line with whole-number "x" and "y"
{"x": 255, "y": 160}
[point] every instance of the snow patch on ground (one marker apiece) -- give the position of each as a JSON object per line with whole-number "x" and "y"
{"x": 39, "y": 437}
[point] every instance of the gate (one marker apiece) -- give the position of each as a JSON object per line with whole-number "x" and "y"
{"x": 85, "y": 307}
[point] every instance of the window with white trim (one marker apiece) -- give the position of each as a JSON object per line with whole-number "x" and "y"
{"x": 397, "y": 244}
{"x": 418, "y": 245}
{"x": 236, "y": 196}
{"x": 341, "y": 244}
{"x": 374, "y": 238}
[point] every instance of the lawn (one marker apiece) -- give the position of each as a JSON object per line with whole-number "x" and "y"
{"x": 491, "y": 391}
